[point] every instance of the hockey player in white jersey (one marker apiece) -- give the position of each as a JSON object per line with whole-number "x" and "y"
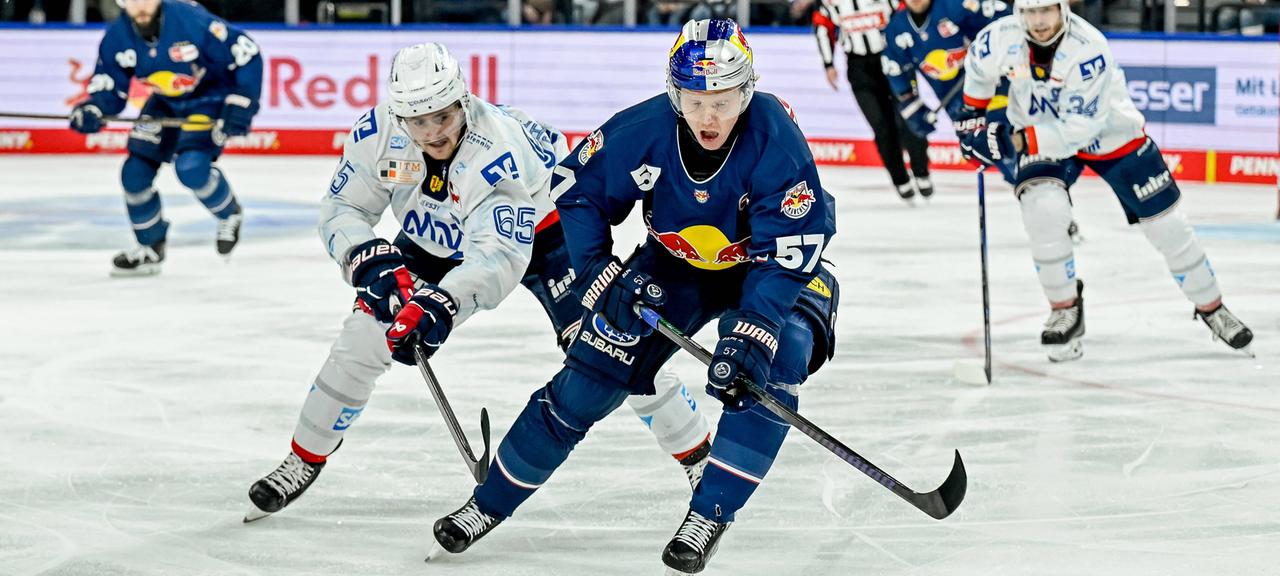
{"x": 468, "y": 182}
{"x": 1068, "y": 106}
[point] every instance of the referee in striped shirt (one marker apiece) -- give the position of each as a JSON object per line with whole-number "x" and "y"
{"x": 855, "y": 27}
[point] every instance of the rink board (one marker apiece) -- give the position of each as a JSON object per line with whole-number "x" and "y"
{"x": 1212, "y": 105}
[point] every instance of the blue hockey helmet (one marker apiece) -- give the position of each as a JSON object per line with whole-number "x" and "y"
{"x": 708, "y": 56}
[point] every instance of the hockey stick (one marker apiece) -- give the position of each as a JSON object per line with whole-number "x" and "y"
{"x": 479, "y": 468}
{"x": 162, "y": 122}
{"x": 942, "y": 104}
{"x": 939, "y": 503}
{"x": 986, "y": 299}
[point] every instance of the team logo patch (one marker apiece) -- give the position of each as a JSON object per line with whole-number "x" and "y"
{"x": 399, "y": 171}
{"x": 701, "y": 196}
{"x": 219, "y": 30}
{"x": 184, "y": 52}
{"x": 399, "y": 143}
{"x": 436, "y": 184}
{"x": 589, "y": 148}
{"x": 645, "y": 176}
{"x": 612, "y": 334}
{"x": 797, "y": 201}
{"x": 947, "y": 28}
{"x": 971, "y": 5}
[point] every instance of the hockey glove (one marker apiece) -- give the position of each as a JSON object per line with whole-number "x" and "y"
{"x": 381, "y": 281}
{"x": 237, "y": 114}
{"x": 747, "y": 344}
{"x": 86, "y": 118}
{"x": 918, "y": 117}
{"x": 982, "y": 142}
{"x": 613, "y": 292}
{"x": 427, "y": 318}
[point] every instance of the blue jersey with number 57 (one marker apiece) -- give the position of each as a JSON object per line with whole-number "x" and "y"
{"x": 197, "y": 58}
{"x": 763, "y": 209}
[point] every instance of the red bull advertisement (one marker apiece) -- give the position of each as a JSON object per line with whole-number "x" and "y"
{"x": 696, "y": 244}
{"x": 944, "y": 64}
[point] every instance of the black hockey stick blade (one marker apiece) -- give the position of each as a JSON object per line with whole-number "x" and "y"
{"x": 479, "y": 468}
{"x": 939, "y": 503}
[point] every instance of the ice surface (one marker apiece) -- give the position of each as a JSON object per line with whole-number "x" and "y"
{"x": 138, "y": 411}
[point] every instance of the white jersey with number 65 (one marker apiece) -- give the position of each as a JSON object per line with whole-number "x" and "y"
{"x": 485, "y": 211}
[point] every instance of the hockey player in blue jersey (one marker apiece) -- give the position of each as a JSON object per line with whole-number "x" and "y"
{"x": 737, "y": 222}
{"x": 1069, "y": 108}
{"x": 931, "y": 37}
{"x": 199, "y": 68}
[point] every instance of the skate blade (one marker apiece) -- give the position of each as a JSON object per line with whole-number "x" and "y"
{"x": 255, "y": 514}
{"x": 437, "y": 551}
{"x": 1064, "y": 352}
{"x": 140, "y": 271}
{"x": 674, "y": 572}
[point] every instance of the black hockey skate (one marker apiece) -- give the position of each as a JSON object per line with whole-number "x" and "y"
{"x": 140, "y": 261}
{"x": 1226, "y": 327}
{"x": 282, "y": 486}
{"x": 693, "y": 545}
{"x": 1063, "y": 329}
{"x": 696, "y": 462}
{"x": 906, "y": 191}
{"x": 458, "y": 531}
{"x": 925, "y": 186}
{"x": 229, "y": 232}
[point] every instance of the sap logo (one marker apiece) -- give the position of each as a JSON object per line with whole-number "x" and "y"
{"x": 1092, "y": 68}
{"x": 1174, "y": 95}
{"x": 399, "y": 142}
{"x": 1154, "y": 185}
{"x": 347, "y": 417}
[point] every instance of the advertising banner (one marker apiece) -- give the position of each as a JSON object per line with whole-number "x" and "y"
{"x": 1214, "y": 102}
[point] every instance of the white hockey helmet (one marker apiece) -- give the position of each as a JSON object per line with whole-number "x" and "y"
{"x": 425, "y": 78}
{"x": 710, "y": 55}
{"x": 1064, "y": 11}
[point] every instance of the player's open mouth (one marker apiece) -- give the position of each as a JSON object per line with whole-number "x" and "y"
{"x": 708, "y": 135}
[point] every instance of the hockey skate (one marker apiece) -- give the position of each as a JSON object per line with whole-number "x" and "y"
{"x": 925, "y": 186}
{"x": 458, "y": 531}
{"x": 282, "y": 486}
{"x": 140, "y": 261}
{"x": 907, "y": 192}
{"x": 696, "y": 462}
{"x": 229, "y": 232}
{"x": 1063, "y": 330}
{"x": 693, "y": 545}
{"x": 1227, "y": 328}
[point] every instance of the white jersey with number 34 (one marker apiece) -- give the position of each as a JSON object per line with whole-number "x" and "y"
{"x": 1079, "y": 106}
{"x": 484, "y": 212}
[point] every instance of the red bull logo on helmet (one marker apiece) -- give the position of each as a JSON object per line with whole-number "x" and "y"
{"x": 944, "y": 64}
{"x": 704, "y": 247}
{"x": 797, "y": 201}
{"x": 705, "y": 67}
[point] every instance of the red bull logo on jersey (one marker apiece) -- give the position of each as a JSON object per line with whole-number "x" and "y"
{"x": 797, "y": 201}
{"x": 172, "y": 84}
{"x": 944, "y": 64}
{"x": 704, "y": 247}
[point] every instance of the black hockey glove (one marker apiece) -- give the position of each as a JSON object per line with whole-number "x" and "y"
{"x": 982, "y": 142}
{"x": 747, "y": 344}
{"x": 86, "y": 118}
{"x": 427, "y": 318}
{"x": 613, "y": 292}
{"x": 381, "y": 281}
